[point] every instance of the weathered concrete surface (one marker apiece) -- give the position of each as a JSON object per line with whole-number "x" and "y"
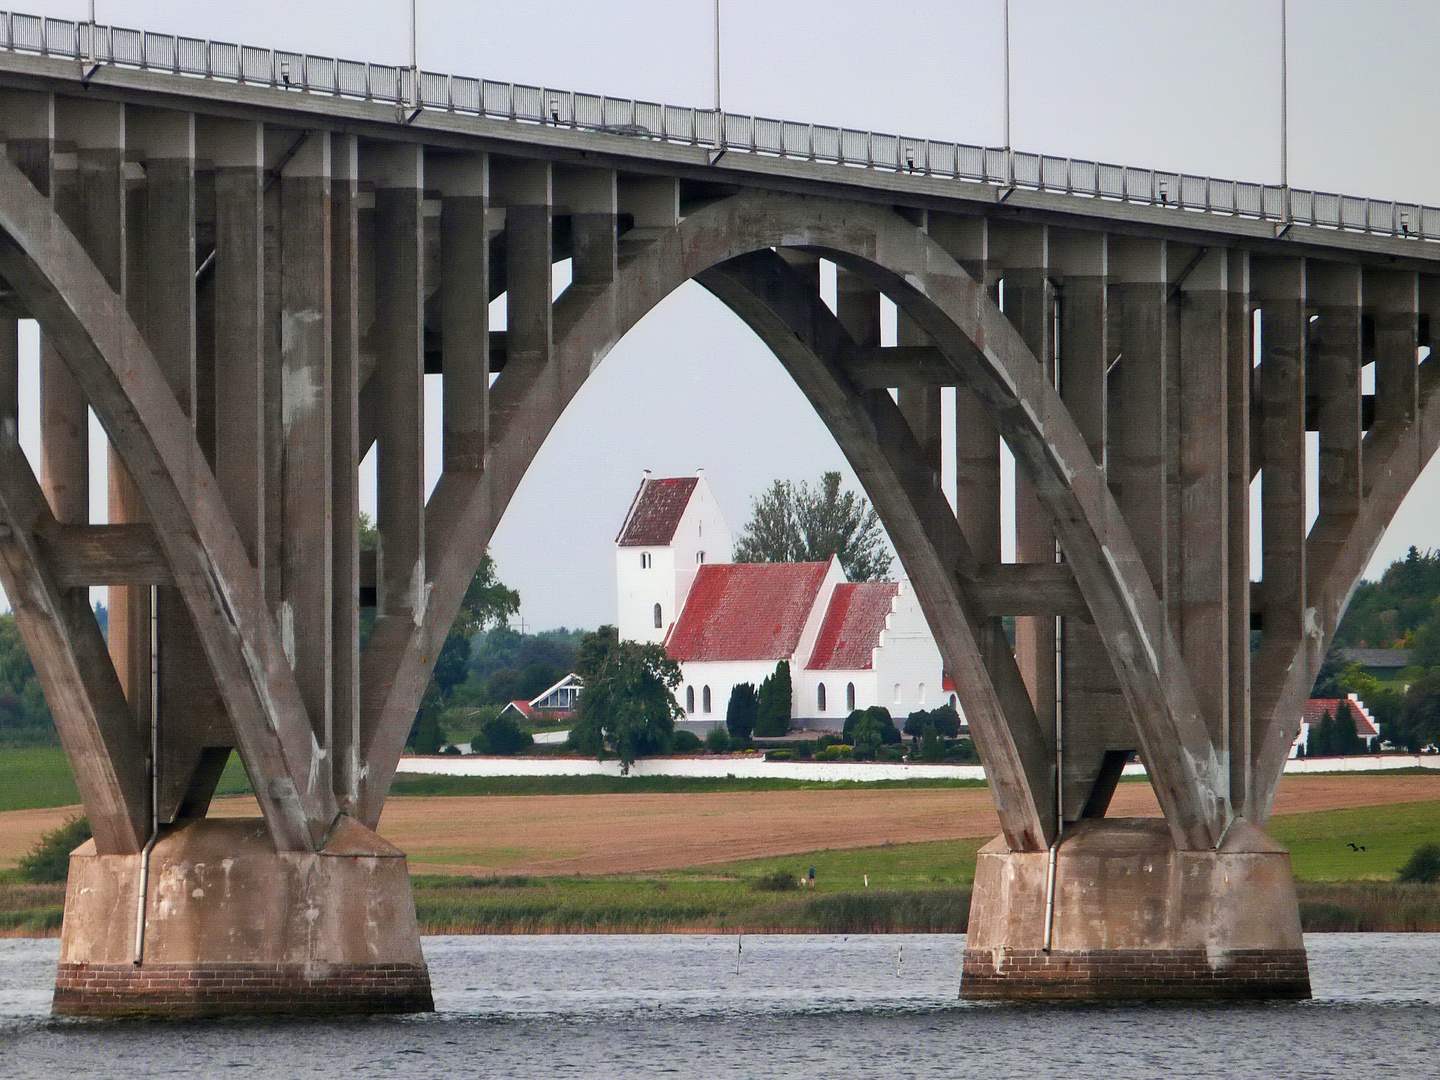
{"x": 1135, "y": 918}
{"x": 233, "y": 926}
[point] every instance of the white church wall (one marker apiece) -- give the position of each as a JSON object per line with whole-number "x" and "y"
{"x": 836, "y": 682}
{"x": 722, "y": 676}
{"x": 645, "y": 576}
{"x": 908, "y": 659}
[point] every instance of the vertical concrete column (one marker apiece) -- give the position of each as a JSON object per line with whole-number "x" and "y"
{"x": 1335, "y": 295}
{"x": 1394, "y": 297}
{"x": 190, "y": 711}
{"x": 1202, "y": 538}
{"x": 1097, "y": 733}
{"x": 1281, "y": 289}
{"x": 920, "y": 405}
{"x": 1029, "y": 303}
{"x": 857, "y": 306}
{"x": 464, "y": 186}
{"x": 397, "y": 172}
{"x": 591, "y": 196}
{"x": 1239, "y": 353}
{"x": 237, "y": 150}
{"x": 306, "y": 581}
{"x": 345, "y": 465}
{"x": 95, "y": 130}
{"x": 525, "y": 190}
{"x": 28, "y": 121}
{"x": 977, "y": 442}
{"x": 1139, "y": 272}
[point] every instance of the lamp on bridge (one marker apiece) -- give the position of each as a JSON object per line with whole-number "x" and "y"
{"x": 285, "y": 72}
{"x": 1164, "y": 192}
{"x": 555, "y": 111}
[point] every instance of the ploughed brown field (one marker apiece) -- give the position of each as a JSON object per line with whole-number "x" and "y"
{"x": 616, "y": 834}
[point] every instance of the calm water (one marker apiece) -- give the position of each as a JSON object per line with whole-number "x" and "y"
{"x": 804, "y": 1006}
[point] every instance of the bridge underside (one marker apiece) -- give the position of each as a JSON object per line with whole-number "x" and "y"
{"x": 249, "y": 300}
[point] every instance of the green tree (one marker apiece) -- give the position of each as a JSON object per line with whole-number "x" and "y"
{"x": 1418, "y": 724}
{"x": 772, "y": 717}
{"x": 1423, "y": 866}
{"x": 794, "y": 523}
{"x": 49, "y": 860}
{"x": 871, "y": 728}
{"x": 486, "y": 602}
{"x": 628, "y": 704}
{"x": 742, "y": 712}
{"x": 500, "y": 735}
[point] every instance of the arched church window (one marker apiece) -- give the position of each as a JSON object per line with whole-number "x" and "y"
{"x": 705, "y": 700}
{"x": 897, "y": 685}
{"x": 689, "y": 699}
{"x": 922, "y": 694}
{"x": 644, "y": 560}
{"x": 820, "y": 697}
{"x": 659, "y": 623}
{"x": 699, "y": 556}
{"x": 850, "y": 698}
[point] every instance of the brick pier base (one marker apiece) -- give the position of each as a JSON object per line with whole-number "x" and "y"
{"x": 1135, "y": 919}
{"x": 240, "y": 988}
{"x": 233, "y": 927}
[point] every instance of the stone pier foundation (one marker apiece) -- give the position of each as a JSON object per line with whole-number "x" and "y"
{"x": 1136, "y": 919}
{"x": 234, "y": 927}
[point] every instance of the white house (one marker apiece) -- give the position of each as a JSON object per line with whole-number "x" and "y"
{"x": 849, "y": 645}
{"x": 1316, "y": 709}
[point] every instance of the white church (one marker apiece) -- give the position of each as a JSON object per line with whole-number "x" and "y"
{"x": 849, "y": 645}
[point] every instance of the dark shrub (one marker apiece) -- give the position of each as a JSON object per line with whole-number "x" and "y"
{"x": 871, "y": 726}
{"x": 717, "y": 741}
{"x": 49, "y": 859}
{"x": 501, "y": 735}
{"x": 780, "y": 880}
{"x": 742, "y": 712}
{"x": 684, "y": 742}
{"x": 1423, "y": 865}
{"x": 780, "y": 755}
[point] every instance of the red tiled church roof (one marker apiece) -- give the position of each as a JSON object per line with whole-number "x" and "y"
{"x": 1316, "y": 708}
{"x": 746, "y": 611}
{"x": 852, "y": 626}
{"x": 656, "y": 512}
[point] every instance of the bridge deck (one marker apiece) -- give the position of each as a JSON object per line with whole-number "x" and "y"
{"x": 698, "y": 143}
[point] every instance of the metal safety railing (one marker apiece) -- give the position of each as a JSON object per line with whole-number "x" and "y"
{"x": 730, "y": 132}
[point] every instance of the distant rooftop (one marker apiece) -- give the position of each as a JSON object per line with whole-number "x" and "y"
{"x": 1377, "y": 658}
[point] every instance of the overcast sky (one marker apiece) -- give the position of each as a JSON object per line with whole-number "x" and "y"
{"x": 1189, "y": 85}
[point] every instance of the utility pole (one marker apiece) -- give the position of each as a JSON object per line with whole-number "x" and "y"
{"x": 1284, "y": 111}
{"x": 414, "y": 62}
{"x": 719, "y": 115}
{"x": 1009, "y": 153}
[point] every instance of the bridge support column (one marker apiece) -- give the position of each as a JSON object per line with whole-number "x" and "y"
{"x": 1134, "y": 918}
{"x": 234, "y": 927}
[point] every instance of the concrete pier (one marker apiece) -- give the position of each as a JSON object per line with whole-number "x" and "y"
{"x": 234, "y": 927}
{"x": 1135, "y": 918}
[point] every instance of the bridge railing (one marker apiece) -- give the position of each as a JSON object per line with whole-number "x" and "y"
{"x": 731, "y": 132}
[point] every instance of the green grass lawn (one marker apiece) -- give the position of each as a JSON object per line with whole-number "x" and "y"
{"x": 1319, "y": 842}
{"x": 35, "y": 776}
{"x": 32, "y": 777}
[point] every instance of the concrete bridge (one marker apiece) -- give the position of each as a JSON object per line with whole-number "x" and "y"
{"x": 245, "y": 262}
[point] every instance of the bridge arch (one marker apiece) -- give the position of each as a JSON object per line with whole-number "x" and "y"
{"x": 728, "y": 247}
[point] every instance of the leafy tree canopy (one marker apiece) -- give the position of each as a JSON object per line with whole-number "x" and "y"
{"x": 1389, "y": 613}
{"x": 628, "y": 704}
{"x": 795, "y": 523}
